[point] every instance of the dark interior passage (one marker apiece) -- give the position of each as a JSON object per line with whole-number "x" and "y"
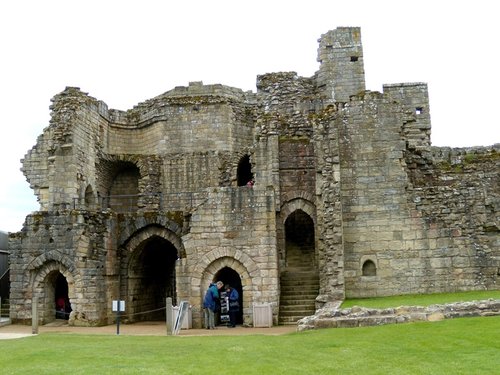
{"x": 152, "y": 279}
{"x": 62, "y": 304}
{"x": 230, "y": 277}
{"x": 299, "y": 230}
{"x": 244, "y": 172}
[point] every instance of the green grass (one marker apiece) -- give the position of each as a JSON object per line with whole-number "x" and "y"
{"x": 421, "y": 299}
{"x": 456, "y": 346}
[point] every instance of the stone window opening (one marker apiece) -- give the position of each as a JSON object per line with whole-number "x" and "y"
{"x": 369, "y": 268}
{"x": 354, "y": 58}
{"x": 419, "y": 110}
{"x": 124, "y": 187}
{"x": 244, "y": 175}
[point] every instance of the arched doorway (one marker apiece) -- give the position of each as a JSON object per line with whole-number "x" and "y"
{"x": 151, "y": 279}
{"x": 299, "y": 238}
{"x": 299, "y": 280}
{"x": 57, "y": 301}
{"x": 230, "y": 277}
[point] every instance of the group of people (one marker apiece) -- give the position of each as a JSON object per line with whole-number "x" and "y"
{"x": 211, "y": 304}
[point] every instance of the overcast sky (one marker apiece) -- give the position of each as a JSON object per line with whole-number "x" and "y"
{"x": 124, "y": 52}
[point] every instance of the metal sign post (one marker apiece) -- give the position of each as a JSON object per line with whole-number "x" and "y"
{"x": 118, "y": 306}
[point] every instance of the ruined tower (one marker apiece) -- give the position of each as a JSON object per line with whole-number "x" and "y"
{"x": 301, "y": 194}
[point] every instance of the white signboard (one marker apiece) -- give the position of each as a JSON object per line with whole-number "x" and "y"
{"x": 119, "y": 303}
{"x": 183, "y": 309}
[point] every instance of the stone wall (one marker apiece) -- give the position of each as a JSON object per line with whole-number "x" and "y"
{"x": 162, "y": 183}
{"x": 363, "y": 317}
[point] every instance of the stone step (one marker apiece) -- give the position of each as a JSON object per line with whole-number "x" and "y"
{"x": 299, "y": 289}
{"x": 290, "y": 278}
{"x": 310, "y": 298}
{"x": 299, "y": 284}
{"x": 293, "y": 290}
{"x": 299, "y": 275}
{"x": 297, "y": 308}
{"x": 294, "y": 302}
{"x": 289, "y": 320}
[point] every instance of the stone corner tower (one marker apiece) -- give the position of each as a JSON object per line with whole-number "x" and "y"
{"x": 341, "y": 73}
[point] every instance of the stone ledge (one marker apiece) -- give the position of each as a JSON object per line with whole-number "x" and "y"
{"x": 333, "y": 317}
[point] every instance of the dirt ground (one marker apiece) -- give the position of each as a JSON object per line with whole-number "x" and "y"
{"x": 12, "y": 331}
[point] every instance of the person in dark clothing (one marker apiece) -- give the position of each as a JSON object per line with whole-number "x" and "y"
{"x": 234, "y": 304}
{"x": 210, "y": 303}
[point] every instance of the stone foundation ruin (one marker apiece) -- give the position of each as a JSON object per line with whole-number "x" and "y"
{"x": 304, "y": 193}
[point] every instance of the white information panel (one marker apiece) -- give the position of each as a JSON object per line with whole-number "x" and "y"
{"x": 115, "y": 305}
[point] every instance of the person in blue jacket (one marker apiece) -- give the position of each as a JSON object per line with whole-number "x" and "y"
{"x": 210, "y": 304}
{"x": 234, "y": 304}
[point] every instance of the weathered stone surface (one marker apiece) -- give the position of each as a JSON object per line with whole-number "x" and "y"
{"x": 343, "y": 183}
{"x": 333, "y": 317}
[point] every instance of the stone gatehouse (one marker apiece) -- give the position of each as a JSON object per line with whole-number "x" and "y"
{"x": 305, "y": 192}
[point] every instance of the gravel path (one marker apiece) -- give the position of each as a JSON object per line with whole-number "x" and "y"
{"x": 13, "y": 331}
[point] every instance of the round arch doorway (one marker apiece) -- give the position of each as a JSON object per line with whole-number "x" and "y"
{"x": 230, "y": 277}
{"x": 151, "y": 279}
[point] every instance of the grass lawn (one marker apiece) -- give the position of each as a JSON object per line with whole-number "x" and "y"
{"x": 456, "y": 346}
{"x": 421, "y": 299}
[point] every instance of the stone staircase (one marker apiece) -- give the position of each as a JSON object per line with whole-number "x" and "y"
{"x": 299, "y": 287}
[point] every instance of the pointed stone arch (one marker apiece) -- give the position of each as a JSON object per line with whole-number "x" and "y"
{"x": 298, "y": 201}
{"x": 239, "y": 262}
{"x": 148, "y": 271}
{"x": 295, "y": 201}
{"x": 43, "y": 287}
{"x": 149, "y": 231}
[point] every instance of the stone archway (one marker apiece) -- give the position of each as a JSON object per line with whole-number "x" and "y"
{"x": 297, "y": 228}
{"x": 149, "y": 273}
{"x": 299, "y": 278}
{"x": 299, "y": 239}
{"x": 51, "y": 282}
{"x": 232, "y": 278}
{"x": 233, "y": 267}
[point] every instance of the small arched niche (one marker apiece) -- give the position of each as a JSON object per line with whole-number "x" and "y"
{"x": 369, "y": 268}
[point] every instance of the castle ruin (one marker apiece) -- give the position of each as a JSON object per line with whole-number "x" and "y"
{"x": 306, "y": 192}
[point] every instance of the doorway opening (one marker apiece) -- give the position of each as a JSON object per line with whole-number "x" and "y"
{"x": 299, "y": 237}
{"x": 230, "y": 277}
{"x": 61, "y": 300}
{"x": 152, "y": 279}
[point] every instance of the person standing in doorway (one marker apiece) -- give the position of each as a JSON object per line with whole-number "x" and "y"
{"x": 210, "y": 303}
{"x": 234, "y": 305}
